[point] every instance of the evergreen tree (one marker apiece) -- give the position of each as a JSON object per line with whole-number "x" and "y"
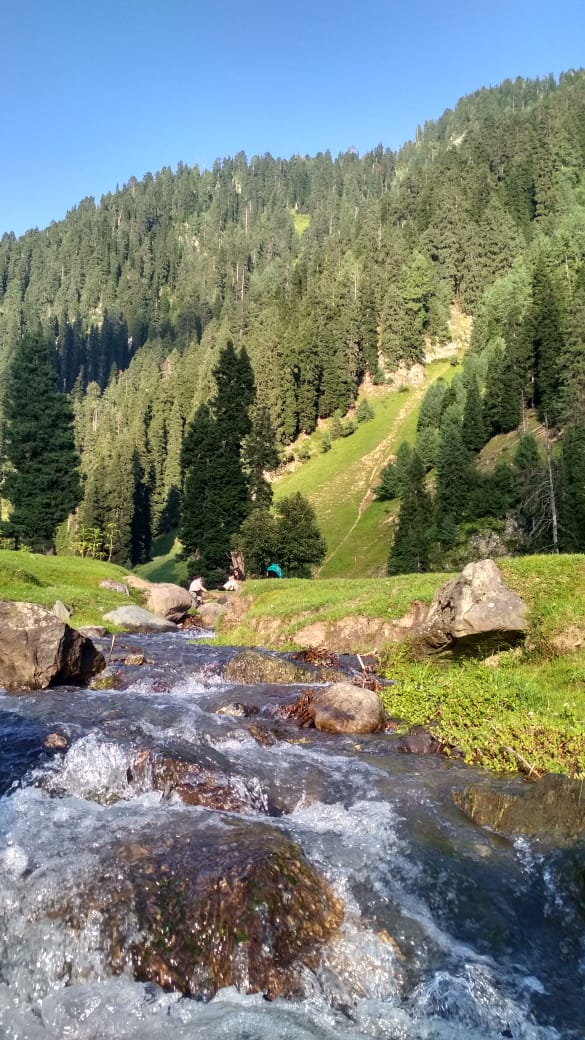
{"x": 454, "y": 479}
{"x": 472, "y": 427}
{"x": 260, "y": 455}
{"x": 410, "y": 552}
{"x": 42, "y": 478}
{"x": 299, "y": 542}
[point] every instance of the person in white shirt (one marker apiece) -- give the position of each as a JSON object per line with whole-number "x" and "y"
{"x": 196, "y": 589}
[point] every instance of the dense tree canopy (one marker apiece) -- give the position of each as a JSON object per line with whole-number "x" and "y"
{"x": 329, "y": 270}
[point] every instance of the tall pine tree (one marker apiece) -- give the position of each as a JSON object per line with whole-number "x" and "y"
{"x": 42, "y": 479}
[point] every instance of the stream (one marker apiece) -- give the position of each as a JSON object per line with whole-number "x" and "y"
{"x": 449, "y": 931}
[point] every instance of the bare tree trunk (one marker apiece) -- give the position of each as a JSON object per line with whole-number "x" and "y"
{"x": 551, "y": 490}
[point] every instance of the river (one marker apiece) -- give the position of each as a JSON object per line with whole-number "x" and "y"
{"x": 449, "y": 931}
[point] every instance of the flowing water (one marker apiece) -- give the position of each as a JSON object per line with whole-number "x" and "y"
{"x": 449, "y": 931}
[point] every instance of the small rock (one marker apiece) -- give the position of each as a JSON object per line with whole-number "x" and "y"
{"x": 134, "y": 659}
{"x": 106, "y": 680}
{"x": 115, "y": 586}
{"x": 60, "y": 611}
{"x": 55, "y": 741}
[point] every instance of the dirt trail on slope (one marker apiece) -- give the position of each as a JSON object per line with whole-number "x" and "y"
{"x": 373, "y": 464}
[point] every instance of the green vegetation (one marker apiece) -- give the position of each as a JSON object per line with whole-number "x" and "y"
{"x": 526, "y": 711}
{"x": 39, "y": 579}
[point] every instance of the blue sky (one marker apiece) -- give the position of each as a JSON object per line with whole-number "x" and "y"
{"x": 97, "y": 92}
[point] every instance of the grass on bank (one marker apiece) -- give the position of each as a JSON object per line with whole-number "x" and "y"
{"x": 527, "y": 712}
{"x": 34, "y": 578}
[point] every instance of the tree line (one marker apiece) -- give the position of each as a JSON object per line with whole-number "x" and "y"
{"x": 325, "y": 270}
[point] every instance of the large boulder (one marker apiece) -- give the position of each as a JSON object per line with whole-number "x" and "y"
{"x": 345, "y": 708}
{"x": 37, "y": 649}
{"x": 163, "y": 598}
{"x": 476, "y": 611}
{"x": 168, "y": 601}
{"x": 137, "y": 619}
{"x": 198, "y": 904}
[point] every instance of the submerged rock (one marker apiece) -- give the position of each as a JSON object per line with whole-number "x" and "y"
{"x": 552, "y": 809}
{"x": 37, "y": 649}
{"x": 253, "y": 666}
{"x": 192, "y": 783}
{"x": 210, "y": 904}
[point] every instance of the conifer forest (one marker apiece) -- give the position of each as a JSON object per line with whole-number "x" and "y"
{"x": 162, "y": 348}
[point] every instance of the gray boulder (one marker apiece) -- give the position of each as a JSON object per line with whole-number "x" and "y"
{"x": 137, "y": 619}
{"x": 211, "y": 614}
{"x": 37, "y": 649}
{"x": 168, "y": 601}
{"x": 60, "y": 611}
{"x": 475, "y": 611}
{"x": 115, "y": 586}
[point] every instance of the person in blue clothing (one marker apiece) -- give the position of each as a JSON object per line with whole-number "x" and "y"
{"x": 274, "y": 571}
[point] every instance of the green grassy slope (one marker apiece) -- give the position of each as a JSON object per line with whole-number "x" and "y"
{"x": 76, "y": 582}
{"x": 340, "y": 483}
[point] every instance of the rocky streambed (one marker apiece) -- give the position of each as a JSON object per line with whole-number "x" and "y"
{"x": 180, "y": 857}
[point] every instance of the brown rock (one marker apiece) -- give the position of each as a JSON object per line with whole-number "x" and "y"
{"x": 345, "y": 708}
{"x": 37, "y": 649}
{"x": 217, "y": 903}
{"x": 211, "y": 613}
{"x": 168, "y": 601}
{"x": 551, "y": 809}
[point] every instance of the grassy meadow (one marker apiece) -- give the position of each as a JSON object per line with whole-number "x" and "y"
{"x": 41, "y": 579}
{"x": 340, "y": 483}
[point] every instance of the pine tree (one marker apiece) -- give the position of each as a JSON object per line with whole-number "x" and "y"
{"x": 410, "y": 552}
{"x": 472, "y": 427}
{"x": 42, "y": 481}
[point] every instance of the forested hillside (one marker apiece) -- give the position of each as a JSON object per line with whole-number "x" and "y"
{"x": 327, "y": 270}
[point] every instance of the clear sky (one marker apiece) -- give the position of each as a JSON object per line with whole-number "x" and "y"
{"x": 96, "y": 91}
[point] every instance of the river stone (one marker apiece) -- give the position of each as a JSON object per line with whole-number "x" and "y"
{"x": 137, "y": 619}
{"x": 476, "y": 611}
{"x": 194, "y": 784}
{"x": 345, "y": 708}
{"x": 60, "y": 611}
{"x": 211, "y": 613}
{"x": 552, "y": 809}
{"x": 201, "y": 903}
{"x": 37, "y": 649}
{"x": 252, "y": 666}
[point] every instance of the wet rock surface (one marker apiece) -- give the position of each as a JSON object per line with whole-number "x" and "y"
{"x": 37, "y": 649}
{"x": 552, "y": 809}
{"x": 217, "y": 903}
{"x": 253, "y": 666}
